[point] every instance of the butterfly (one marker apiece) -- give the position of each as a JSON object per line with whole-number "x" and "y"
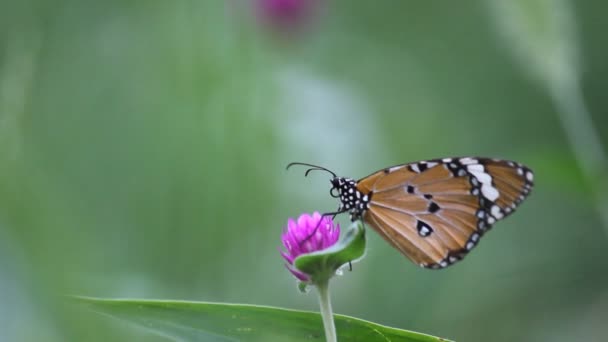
{"x": 435, "y": 211}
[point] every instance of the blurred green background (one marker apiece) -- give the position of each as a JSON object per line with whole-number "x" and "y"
{"x": 143, "y": 147}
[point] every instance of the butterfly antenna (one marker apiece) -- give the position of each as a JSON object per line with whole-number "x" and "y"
{"x": 312, "y": 168}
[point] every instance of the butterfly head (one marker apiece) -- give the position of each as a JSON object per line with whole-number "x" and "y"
{"x": 351, "y": 199}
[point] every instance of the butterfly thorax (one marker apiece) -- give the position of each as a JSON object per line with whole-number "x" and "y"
{"x": 351, "y": 199}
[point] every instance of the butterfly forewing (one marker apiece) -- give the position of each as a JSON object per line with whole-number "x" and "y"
{"x": 434, "y": 212}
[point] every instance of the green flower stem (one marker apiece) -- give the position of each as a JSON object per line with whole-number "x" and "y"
{"x": 322, "y": 265}
{"x": 326, "y": 312}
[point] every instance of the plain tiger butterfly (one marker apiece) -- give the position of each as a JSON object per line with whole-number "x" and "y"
{"x": 434, "y": 212}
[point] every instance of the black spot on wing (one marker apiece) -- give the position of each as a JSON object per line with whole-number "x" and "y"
{"x": 424, "y": 229}
{"x": 433, "y": 208}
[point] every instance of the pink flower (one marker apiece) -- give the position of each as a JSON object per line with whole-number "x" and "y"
{"x": 307, "y": 235}
{"x": 286, "y": 15}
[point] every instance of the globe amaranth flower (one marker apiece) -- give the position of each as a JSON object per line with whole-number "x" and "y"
{"x": 307, "y": 235}
{"x": 286, "y": 15}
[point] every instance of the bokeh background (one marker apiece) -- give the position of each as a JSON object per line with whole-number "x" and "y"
{"x": 143, "y": 147}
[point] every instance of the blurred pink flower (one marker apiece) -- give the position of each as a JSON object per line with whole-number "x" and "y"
{"x": 286, "y": 15}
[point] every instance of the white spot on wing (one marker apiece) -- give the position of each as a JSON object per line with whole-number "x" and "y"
{"x": 431, "y": 164}
{"x": 483, "y": 177}
{"x": 395, "y": 168}
{"x": 475, "y": 167}
{"x": 467, "y": 161}
{"x": 529, "y": 176}
{"x": 415, "y": 168}
{"x": 496, "y": 212}
{"x": 489, "y": 192}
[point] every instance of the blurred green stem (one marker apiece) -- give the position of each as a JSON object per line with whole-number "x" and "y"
{"x": 584, "y": 141}
{"x": 326, "y": 312}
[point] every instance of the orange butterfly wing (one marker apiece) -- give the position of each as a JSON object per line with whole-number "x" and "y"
{"x": 434, "y": 212}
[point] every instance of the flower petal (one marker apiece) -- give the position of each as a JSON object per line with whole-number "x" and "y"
{"x": 303, "y": 222}
{"x": 316, "y": 217}
{"x": 292, "y": 225}
{"x": 288, "y": 257}
{"x": 301, "y": 276}
{"x": 294, "y": 245}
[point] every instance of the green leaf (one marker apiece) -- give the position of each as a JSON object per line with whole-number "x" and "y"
{"x": 351, "y": 247}
{"x": 201, "y": 321}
